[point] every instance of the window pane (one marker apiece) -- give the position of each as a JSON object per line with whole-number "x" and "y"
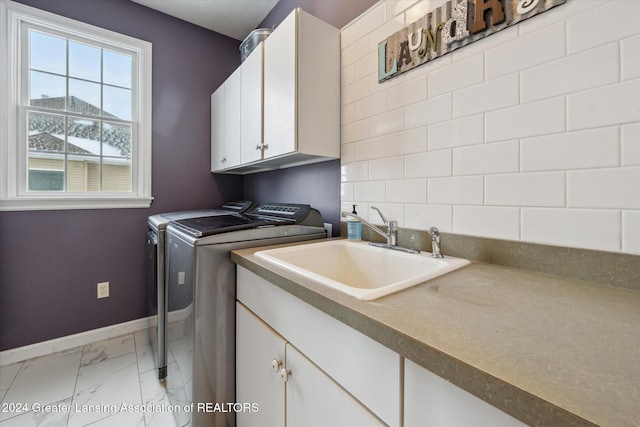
{"x": 46, "y": 180}
{"x": 117, "y": 69}
{"x": 48, "y": 53}
{"x": 116, "y": 140}
{"x": 83, "y": 136}
{"x": 117, "y": 102}
{"x": 83, "y": 173}
{"x": 84, "y": 97}
{"x": 84, "y": 61}
{"x": 46, "y": 132}
{"x": 47, "y": 90}
{"x": 116, "y": 175}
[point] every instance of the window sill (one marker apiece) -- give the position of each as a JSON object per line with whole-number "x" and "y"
{"x": 61, "y": 203}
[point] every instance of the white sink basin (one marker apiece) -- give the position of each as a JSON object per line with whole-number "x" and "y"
{"x": 362, "y": 271}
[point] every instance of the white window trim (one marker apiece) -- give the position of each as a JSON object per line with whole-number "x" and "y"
{"x": 11, "y": 196}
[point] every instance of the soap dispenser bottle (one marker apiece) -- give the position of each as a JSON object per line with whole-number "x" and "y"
{"x": 354, "y": 226}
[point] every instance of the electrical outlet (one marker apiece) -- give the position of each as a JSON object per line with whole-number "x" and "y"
{"x": 103, "y": 289}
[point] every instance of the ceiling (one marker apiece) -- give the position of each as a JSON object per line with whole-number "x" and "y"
{"x": 233, "y": 18}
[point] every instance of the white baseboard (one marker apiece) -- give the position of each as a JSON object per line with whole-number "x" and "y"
{"x": 19, "y": 354}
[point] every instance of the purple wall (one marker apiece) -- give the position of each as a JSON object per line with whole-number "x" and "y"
{"x": 50, "y": 261}
{"x": 317, "y": 184}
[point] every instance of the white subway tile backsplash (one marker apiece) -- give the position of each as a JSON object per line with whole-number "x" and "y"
{"x": 630, "y": 50}
{"x": 396, "y": 7}
{"x": 526, "y": 51}
{"x": 631, "y": 144}
{"x": 531, "y": 134}
{"x": 500, "y": 157}
{"x": 355, "y": 131}
{"x": 489, "y": 96}
{"x": 605, "y": 106}
{"x": 354, "y": 51}
{"x": 384, "y": 31}
{"x": 559, "y": 14}
{"x": 427, "y": 112}
{"x": 631, "y": 231}
{"x": 366, "y": 66}
{"x": 604, "y": 188}
{"x": 533, "y": 119}
{"x": 386, "y": 123}
{"x": 347, "y": 153}
{"x": 370, "y": 106}
{"x": 412, "y": 141}
{"x": 372, "y": 148}
{"x": 356, "y": 171}
{"x": 456, "y": 133}
{"x": 613, "y": 21}
{"x": 347, "y": 191}
{"x": 466, "y": 190}
{"x": 373, "y": 18}
{"x": 597, "y": 148}
{"x": 370, "y": 191}
{"x": 429, "y": 164}
{"x": 407, "y": 191}
{"x": 347, "y": 36}
{"x": 526, "y": 189}
{"x": 354, "y": 91}
{"x": 499, "y": 223}
{"x": 407, "y": 93}
{"x": 571, "y": 74}
{"x": 457, "y": 75}
{"x": 389, "y": 168}
{"x": 421, "y": 217}
{"x": 595, "y": 229}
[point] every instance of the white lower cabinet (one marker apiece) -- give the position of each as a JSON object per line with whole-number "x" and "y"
{"x": 339, "y": 376}
{"x": 430, "y": 400}
{"x": 287, "y": 387}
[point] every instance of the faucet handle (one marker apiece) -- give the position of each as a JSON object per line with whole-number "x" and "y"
{"x": 384, "y": 219}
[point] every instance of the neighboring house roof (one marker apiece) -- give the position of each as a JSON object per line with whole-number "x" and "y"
{"x": 47, "y": 133}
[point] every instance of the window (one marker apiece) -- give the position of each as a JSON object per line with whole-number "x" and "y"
{"x": 75, "y": 113}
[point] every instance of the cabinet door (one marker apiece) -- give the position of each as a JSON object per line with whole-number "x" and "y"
{"x": 217, "y": 129}
{"x": 257, "y": 346}
{"x": 232, "y": 119}
{"x": 280, "y": 88}
{"x": 430, "y": 400}
{"x": 251, "y": 106}
{"x": 314, "y": 399}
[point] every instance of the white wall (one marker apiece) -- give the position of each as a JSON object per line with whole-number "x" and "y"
{"x": 530, "y": 134}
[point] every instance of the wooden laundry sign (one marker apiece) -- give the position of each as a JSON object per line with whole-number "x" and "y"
{"x": 453, "y": 25}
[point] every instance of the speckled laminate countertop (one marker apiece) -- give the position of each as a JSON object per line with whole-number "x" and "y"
{"x": 550, "y": 351}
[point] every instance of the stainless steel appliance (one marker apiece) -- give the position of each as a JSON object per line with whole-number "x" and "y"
{"x": 155, "y": 274}
{"x": 202, "y": 294}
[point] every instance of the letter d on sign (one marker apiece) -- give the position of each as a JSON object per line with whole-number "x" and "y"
{"x": 382, "y": 59}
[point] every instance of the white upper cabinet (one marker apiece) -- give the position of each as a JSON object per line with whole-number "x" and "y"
{"x": 251, "y": 107}
{"x": 289, "y": 98}
{"x": 302, "y": 88}
{"x": 225, "y": 124}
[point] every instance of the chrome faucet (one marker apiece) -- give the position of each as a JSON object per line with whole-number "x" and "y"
{"x": 435, "y": 242}
{"x": 391, "y": 235}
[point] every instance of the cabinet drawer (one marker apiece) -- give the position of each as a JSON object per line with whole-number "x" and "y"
{"x": 365, "y": 368}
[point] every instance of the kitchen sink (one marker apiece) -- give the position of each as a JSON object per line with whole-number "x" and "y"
{"x": 357, "y": 269}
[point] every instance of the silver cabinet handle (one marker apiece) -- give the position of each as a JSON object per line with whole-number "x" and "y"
{"x": 265, "y": 146}
{"x": 285, "y": 373}
{"x": 258, "y": 147}
{"x": 276, "y": 365}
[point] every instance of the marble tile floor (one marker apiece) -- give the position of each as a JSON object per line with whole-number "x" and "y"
{"x": 111, "y": 383}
